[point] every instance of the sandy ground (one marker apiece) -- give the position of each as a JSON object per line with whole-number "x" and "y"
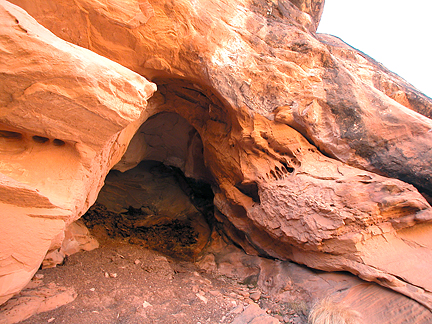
{"x": 126, "y": 283}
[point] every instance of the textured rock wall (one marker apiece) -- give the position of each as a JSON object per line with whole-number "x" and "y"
{"x": 264, "y": 56}
{"x": 315, "y": 152}
{"x": 63, "y": 119}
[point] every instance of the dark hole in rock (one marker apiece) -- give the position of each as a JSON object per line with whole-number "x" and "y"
{"x": 10, "y": 135}
{"x": 249, "y": 189}
{"x": 12, "y": 142}
{"x": 155, "y": 206}
{"x": 58, "y": 142}
{"x": 166, "y": 201}
{"x": 40, "y": 139}
{"x": 288, "y": 168}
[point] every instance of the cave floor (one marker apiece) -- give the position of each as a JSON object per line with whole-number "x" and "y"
{"x": 126, "y": 283}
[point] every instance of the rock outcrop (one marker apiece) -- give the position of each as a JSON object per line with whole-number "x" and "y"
{"x": 64, "y": 119}
{"x": 315, "y": 152}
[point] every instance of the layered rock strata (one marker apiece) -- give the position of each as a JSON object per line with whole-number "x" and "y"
{"x": 314, "y": 151}
{"x": 64, "y": 119}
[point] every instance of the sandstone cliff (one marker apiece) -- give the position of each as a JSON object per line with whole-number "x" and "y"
{"x": 315, "y": 152}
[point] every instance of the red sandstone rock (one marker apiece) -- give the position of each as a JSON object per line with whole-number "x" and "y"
{"x": 313, "y": 149}
{"x": 36, "y": 298}
{"x": 63, "y": 111}
{"x": 265, "y": 56}
{"x": 254, "y": 314}
{"x": 76, "y": 238}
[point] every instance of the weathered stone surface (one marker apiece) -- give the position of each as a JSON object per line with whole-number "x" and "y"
{"x": 253, "y": 314}
{"x": 76, "y": 238}
{"x": 168, "y": 138}
{"x": 305, "y": 141}
{"x": 339, "y": 110}
{"x": 35, "y": 298}
{"x": 292, "y": 284}
{"x": 63, "y": 111}
{"x": 273, "y": 185}
{"x": 349, "y": 113}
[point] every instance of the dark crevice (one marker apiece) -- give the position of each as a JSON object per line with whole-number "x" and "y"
{"x": 57, "y": 142}
{"x": 10, "y": 135}
{"x": 249, "y": 189}
{"x": 40, "y": 139}
{"x": 199, "y": 192}
{"x": 287, "y": 168}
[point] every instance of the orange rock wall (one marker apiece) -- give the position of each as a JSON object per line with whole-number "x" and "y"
{"x": 315, "y": 152}
{"x": 64, "y": 118}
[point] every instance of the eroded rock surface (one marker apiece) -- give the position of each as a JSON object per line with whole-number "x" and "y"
{"x": 35, "y": 298}
{"x": 63, "y": 119}
{"x": 290, "y": 285}
{"x": 76, "y": 238}
{"x": 314, "y": 152}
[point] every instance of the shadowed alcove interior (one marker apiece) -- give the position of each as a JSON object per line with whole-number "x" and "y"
{"x": 160, "y": 194}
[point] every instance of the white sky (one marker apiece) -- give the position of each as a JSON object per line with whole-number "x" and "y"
{"x": 396, "y": 33}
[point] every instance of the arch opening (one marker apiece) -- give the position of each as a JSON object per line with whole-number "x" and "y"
{"x": 159, "y": 196}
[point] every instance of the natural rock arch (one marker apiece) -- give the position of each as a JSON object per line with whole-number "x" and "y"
{"x": 259, "y": 86}
{"x": 162, "y": 197}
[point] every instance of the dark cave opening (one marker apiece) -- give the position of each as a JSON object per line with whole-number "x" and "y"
{"x": 165, "y": 202}
{"x": 160, "y": 209}
{"x": 160, "y": 194}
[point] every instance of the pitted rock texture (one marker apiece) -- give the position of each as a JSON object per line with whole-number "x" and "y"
{"x": 314, "y": 152}
{"x": 264, "y": 56}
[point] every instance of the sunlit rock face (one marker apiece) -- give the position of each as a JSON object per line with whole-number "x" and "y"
{"x": 315, "y": 153}
{"x": 64, "y": 118}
